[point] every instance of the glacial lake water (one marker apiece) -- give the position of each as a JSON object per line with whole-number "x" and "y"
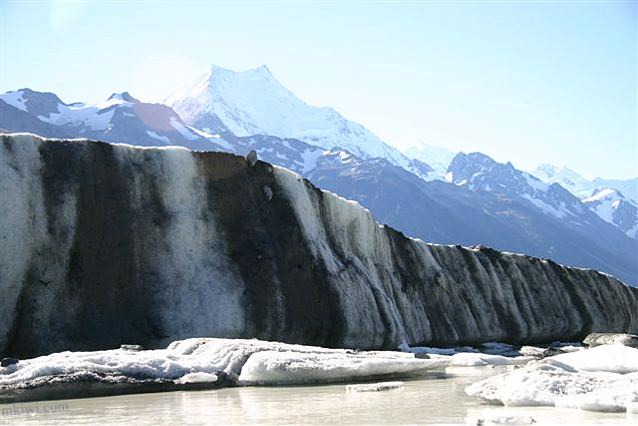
{"x": 435, "y": 399}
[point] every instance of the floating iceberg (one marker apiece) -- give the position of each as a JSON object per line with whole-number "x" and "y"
{"x": 197, "y": 363}
{"x": 499, "y": 418}
{"x": 374, "y": 387}
{"x": 604, "y": 378}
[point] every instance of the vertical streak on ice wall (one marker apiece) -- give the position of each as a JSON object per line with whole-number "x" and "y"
{"x": 180, "y": 245}
{"x": 22, "y": 222}
{"x": 397, "y": 289}
{"x": 354, "y": 249}
{"x": 108, "y": 244}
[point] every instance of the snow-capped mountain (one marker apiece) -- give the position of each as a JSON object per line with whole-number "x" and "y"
{"x": 478, "y": 172}
{"x": 582, "y": 187}
{"x": 487, "y": 203}
{"x": 613, "y": 207}
{"x": 253, "y": 102}
{"x": 606, "y": 197}
{"x": 436, "y": 157}
{"x": 566, "y": 177}
{"x": 121, "y": 118}
{"x": 446, "y": 213}
{"x": 628, "y": 187}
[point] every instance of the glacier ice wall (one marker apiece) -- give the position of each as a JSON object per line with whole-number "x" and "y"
{"x": 107, "y": 244}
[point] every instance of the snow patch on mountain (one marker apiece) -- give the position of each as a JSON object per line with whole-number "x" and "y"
{"x": 613, "y": 207}
{"x": 15, "y": 99}
{"x": 567, "y": 178}
{"x": 158, "y": 137}
{"x": 93, "y": 117}
{"x": 582, "y": 187}
{"x": 436, "y": 157}
{"x": 119, "y": 119}
{"x": 183, "y": 130}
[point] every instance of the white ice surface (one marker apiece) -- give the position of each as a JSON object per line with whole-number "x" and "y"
{"x": 611, "y": 358}
{"x": 201, "y": 360}
{"x": 276, "y": 368}
{"x": 604, "y": 378}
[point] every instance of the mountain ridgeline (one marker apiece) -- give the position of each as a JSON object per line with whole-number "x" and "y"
{"x": 108, "y": 244}
{"x": 436, "y": 195}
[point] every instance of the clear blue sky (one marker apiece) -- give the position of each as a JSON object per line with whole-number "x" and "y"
{"x": 529, "y": 82}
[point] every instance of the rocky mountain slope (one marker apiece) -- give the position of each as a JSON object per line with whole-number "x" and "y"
{"x": 540, "y": 220}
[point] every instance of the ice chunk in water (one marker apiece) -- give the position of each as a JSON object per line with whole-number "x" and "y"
{"x": 374, "y": 387}
{"x": 604, "y": 378}
{"x": 272, "y": 367}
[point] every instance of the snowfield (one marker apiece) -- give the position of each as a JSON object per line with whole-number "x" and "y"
{"x": 604, "y": 378}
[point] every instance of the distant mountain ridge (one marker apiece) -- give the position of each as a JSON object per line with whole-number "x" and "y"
{"x": 478, "y": 172}
{"x": 484, "y": 202}
{"x": 121, "y": 118}
{"x": 582, "y": 187}
{"x": 467, "y": 214}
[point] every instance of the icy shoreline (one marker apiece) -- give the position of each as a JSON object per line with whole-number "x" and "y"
{"x": 603, "y": 378}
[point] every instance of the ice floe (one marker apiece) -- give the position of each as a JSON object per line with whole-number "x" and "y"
{"x": 276, "y": 368}
{"x": 604, "y": 378}
{"x": 198, "y": 362}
